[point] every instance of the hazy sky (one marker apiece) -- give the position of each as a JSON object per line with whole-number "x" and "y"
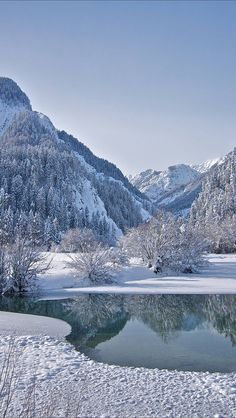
{"x": 143, "y": 84}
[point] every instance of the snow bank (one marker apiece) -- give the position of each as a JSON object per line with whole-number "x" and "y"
{"x": 22, "y": 324}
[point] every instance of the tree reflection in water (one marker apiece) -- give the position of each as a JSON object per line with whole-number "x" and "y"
{"x": 97, "y": 318}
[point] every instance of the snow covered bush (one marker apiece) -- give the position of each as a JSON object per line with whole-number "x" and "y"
{"x": 98, "y": 264}
{"x": 166, "y": 243}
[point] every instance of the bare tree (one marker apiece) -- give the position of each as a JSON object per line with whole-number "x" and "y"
{"x": 82, "y": 240}
{"x": 25, "y": 262}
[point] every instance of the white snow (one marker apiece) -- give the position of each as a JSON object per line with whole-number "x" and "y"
{"x": 219, "y": 277}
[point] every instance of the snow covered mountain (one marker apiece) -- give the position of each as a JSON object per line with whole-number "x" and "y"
{"x": 50, "y": 182}
{"x": 158, "y": 184}
{"x": 176, "y": 188}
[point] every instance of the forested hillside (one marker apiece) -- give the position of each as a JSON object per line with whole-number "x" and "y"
{"x": 50, "y": 182}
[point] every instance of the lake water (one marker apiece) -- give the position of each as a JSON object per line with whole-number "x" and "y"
{"x": 192, "y": 332}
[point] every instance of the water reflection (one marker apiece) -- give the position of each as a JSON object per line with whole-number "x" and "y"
{"x": 114, "y": 323}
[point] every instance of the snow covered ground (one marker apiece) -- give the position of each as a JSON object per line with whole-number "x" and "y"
{"x": 60, "y": 378}
{"x": 219, "y": 277}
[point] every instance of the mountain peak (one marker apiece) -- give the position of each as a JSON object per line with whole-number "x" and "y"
{"x": 12, "y": 95}
{"x": 12, "y": 102}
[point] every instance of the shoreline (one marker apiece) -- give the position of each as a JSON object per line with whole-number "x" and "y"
{"x": 219, "y": 277}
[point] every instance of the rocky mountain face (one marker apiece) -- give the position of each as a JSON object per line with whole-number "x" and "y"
{"x": 50, "y": 182}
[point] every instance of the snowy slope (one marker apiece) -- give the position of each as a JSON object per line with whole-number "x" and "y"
{"x": 101, "y": 177}
{"x": 48, "y": 125}
{"x": 87, "y": 197}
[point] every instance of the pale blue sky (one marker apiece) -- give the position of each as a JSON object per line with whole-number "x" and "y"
{"x": 143, "y": 84}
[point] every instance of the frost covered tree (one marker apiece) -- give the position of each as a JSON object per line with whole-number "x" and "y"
{"x": 166, "y": 243}
{"x": 4, "y": 268}
{"x": 149, "y": 240}
{"x": 214, "y": 211}
{"x": 189, "y": 249}
{"x": 98, "y": 264}
{"x": 220, "y": 235}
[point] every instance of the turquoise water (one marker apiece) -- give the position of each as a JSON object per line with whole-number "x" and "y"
{"x": 192, "y": 332}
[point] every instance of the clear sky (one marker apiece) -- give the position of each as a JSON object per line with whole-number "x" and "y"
{"x": 143, "y": 84}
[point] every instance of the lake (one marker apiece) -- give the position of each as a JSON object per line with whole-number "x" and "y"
{"x": 182, "y": 332}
